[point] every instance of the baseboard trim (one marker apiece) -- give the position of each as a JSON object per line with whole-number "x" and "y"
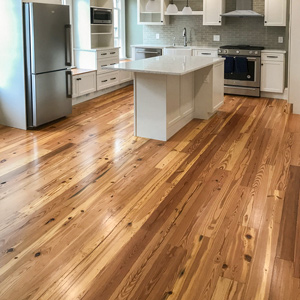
{"x": 283, "y": 96}
{"x": 90, "y": 96}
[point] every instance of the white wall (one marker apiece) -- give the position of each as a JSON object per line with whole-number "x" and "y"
{"x": 12, "y": 81}
{"x": 294, "y": 56}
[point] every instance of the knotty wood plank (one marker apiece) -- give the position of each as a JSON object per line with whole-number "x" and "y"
{"x": 284, "y": 285}
{"x": 227, "y": 289}
{"x": 288, "y": 228}
{"x": 119, "y": 217}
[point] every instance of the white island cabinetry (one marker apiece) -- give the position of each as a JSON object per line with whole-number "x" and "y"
{"x": 170, "y": 91}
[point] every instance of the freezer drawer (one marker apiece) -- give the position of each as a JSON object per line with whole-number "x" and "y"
{"x": 48, "y": 99}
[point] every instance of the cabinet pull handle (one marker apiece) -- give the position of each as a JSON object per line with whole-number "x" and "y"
{"x": 69, "y": 84}
{"x": 113, "y": 78}
{"x": 103, "y": 66}
{"x": 112, "y": 52}
{"x": 68, "y": 45}
{"x": 78, "y": 79}
{"x": 103, "y": 53}
{"x": 112, "y": 64}
{"x": 104, "y": 81}
{"x": 206, "y": 53}
{"x": 272, "y": 56}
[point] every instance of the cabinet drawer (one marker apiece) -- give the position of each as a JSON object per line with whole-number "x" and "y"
{"x": 272, "y": 56}
{"x": 204, "y": 52}
{"x": 106, "y": 62}
{"x": 107, "y": 80}
{"x": 107, "y": 53}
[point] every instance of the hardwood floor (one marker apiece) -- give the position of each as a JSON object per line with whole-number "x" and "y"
{"x": 87, "y": 211}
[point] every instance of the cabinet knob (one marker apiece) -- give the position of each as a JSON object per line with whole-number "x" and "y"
{"x": 265, "y": 21}
{"x": 262, "y": 64}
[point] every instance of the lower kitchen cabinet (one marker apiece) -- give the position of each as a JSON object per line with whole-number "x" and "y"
{"x": 272, "y": 72}
{"x": 107, "y": 80}
{"x": 125, "y": 76}
{"x": 83, "y": 84}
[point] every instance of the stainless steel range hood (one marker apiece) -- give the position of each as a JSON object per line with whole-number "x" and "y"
{"x": 243, "y": 9}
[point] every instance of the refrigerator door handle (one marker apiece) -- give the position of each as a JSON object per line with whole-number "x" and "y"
{"x": 68, "y": 45}
{"x": 69, "y": 84}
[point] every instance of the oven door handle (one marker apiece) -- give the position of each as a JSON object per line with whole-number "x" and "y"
{"x": 256, "y": 58}
{"x": 253, "y": 58}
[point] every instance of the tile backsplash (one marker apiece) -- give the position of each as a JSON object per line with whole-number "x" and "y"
{"x": 249, "y": 31}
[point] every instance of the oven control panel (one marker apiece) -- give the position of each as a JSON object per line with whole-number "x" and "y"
{"x": 239, "y": 52}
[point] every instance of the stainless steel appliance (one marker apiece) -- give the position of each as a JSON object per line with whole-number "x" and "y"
{"x": 101, "y": 15}
{"x": 142, "y": 53}
{"x": 247, "y": 81}
{"x": 48, "y": 55}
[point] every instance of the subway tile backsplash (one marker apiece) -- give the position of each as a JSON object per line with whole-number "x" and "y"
{"x": 249, "y": 31}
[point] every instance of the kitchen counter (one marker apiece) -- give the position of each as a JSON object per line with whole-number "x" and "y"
{"x": 176, "y": 45}
{"x": 170, "y": 91}
{"x": 273, "y": 51}
{"x": 81, "y": 71}
{"x": 168, "y": 65}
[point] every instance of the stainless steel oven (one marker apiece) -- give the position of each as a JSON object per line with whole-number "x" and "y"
{"x": 246, "y": 82}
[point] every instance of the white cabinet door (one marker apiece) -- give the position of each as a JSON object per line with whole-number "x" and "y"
{"x": 154, "y": 14}
{"x": 125, "y": 76}
{"x": 272, "y": 76}
{"x": 212, "y": 9}
{"x": 84, "y": 84}
{"x": 275, "y": 12}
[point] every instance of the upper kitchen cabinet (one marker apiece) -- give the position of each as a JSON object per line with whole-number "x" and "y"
{"x": 212, "y": 10}
{"x": 93, "y": 24}
{"x": 151, "y": 12}
{"x": 275, "y": 12}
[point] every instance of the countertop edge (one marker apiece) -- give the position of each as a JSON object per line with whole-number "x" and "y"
{"x": 217, "y": 60}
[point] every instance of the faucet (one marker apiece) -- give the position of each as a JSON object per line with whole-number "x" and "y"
{"x": 184, "y": 37}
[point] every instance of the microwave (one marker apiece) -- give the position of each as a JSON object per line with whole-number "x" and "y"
{"x": 101, "y": 15}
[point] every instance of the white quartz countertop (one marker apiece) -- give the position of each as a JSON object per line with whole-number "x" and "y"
{"x": 150, "y": 46}
{"x": 273, "y": 51}
{"x": 169, "y": 65}
{"x": 170, "y": 46}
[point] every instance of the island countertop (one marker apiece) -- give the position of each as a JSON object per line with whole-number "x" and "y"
{"x": 169, "y": 65}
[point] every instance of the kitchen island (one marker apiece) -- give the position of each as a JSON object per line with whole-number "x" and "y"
{"x": 169, "y": 91}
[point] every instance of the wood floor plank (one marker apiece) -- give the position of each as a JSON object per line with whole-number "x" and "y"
{"x": 88, "y": 211}
{"x": 228, "y": 289}
{"x": 288, "y": 229}
{"x": 284, "y": 285}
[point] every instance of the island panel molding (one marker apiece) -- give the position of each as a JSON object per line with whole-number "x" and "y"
{"x": 171, "y": 91}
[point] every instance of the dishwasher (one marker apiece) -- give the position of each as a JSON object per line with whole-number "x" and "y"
{"x": 142, "y": 53}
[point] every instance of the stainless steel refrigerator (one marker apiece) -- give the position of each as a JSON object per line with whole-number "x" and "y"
{"x": 48, "y": 54}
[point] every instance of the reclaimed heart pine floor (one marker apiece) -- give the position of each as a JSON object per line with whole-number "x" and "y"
{"x": 88, "y": 211}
